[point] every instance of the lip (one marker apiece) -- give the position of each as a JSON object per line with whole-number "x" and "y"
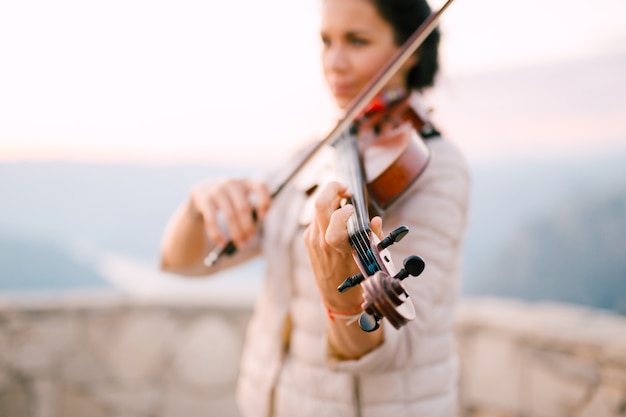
{"x": 343, "y": 90}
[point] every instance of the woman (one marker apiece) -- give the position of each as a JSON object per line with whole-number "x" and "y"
{"x": 303, "y": 357}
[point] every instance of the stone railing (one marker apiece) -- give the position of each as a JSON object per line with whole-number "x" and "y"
{"x": 541, "y": 360}
{"x": 106, "y": 355}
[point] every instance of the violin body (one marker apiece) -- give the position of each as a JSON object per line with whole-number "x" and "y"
{"x": 393, "y": 154}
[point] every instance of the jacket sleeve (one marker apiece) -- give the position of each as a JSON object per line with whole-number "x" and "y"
{"x": 435, "y": 209}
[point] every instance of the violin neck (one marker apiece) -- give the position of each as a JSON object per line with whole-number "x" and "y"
{"x": 351, "y": 171}
{"x": 359, "y": 231}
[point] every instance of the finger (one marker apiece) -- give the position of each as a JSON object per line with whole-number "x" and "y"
{"x": 337, "y": 231}
{"x": 228, "y": 215}
{"x": 376, "y": 224}
{"x": 262, "y": 198}
{"x": 328, "y": 200}
{"x": 238, "y": 195}
{"x": 211, "y": 224}
{"x": 312, "y": 236}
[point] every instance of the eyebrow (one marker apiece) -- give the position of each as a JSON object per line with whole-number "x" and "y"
{"x": 352, "y": 33}
{"x": 360, "y": 32}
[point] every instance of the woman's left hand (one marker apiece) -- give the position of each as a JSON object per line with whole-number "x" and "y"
{"x": 326, "y": 240}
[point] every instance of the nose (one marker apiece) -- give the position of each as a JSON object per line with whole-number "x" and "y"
{"x": 335, "y": 59}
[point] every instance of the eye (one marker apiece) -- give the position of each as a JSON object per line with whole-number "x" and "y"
{"x": 325, "y": 40}
{"x": 357, "y": 40}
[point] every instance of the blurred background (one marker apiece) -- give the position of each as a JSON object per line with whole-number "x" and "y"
{"x": 109, "y": 112}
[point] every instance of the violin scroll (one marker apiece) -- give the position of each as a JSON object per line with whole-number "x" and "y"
{"x": 384, "y": 296}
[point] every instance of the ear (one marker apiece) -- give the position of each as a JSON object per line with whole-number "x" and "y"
{"x": 413, "y": 60}
{"x": 410, "y": 63}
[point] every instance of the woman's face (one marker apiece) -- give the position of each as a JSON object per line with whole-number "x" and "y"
{"x": 357, "y": 42}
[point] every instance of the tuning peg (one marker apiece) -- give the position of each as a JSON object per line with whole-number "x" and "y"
{"x": 394, "y": 237}
{"x": 369, "y": 322}
{"x": 350, "y": 282}
{"x": 413, "y": 265}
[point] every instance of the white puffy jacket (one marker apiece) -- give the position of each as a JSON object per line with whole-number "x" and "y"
{"x": 286, "y": 370}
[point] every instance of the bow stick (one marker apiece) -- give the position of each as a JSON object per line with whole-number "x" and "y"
{"x": 356, "y": 106}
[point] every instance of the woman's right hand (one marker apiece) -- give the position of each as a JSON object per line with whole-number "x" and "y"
{"x": 229, "y": 208}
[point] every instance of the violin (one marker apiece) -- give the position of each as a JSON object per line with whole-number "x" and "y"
{"x": 379, "y": 157}
{"x": 378, "y": 168}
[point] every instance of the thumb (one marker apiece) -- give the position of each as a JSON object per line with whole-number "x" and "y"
{"x": 376, "y": 225}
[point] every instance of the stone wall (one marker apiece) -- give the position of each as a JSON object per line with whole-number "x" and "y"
{"x": 111, "y": 356}
{"x": 106, "y": 355}
{"x": 541, "y": 360}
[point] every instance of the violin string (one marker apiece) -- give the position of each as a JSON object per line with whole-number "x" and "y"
{"x": 358, "y": 228}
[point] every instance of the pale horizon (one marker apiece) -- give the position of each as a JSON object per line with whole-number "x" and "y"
{"x": 140, "y": 82}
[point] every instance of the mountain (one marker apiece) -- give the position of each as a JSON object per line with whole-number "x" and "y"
{"x": 57, "y": 219}
{"x": 572, "y": 250}
{"x": 36, "y": 265}
{"x": 538, "y": 229}
{"x": 119, "y": 207}
{"x": 578, "y": 255}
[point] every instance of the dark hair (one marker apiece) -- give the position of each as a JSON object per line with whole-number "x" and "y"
{"x": 405, "y": 16}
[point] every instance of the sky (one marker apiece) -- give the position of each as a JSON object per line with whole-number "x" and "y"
{"x": 195, "y": 81}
